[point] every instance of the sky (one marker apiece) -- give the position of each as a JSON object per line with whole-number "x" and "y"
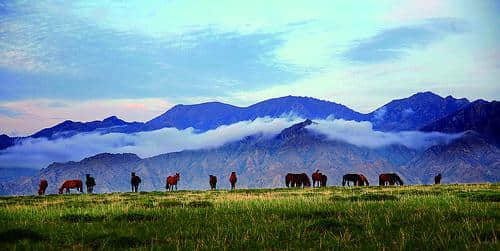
{"x": 88, "y": 60}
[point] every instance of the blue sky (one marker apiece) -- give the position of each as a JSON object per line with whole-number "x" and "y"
{"x": 86, "y": 60}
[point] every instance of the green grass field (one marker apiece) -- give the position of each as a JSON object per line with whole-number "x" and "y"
{"x": 393, "y": 218}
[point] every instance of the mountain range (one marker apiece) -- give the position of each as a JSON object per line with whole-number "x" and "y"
{"x": 409, "y": 113}
{"x": 262, "y": 161}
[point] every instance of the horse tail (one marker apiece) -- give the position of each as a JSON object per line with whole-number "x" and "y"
{"x": 343, "y": 181}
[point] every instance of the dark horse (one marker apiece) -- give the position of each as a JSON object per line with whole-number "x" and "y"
{"x": 323, "y": 180}
{"x": 232, "y": 180}
{"x": 437, "y": 179}
{"x": 389, "y": 178}
{"x": 172, "y": 181}
{"x": 68, "y": 184}
{"x": 357, "y": 179}
{"x": 213, "y": 182}
{"x": 42, "y": 186}
{"x": 297, "y": 180}
{"x": 134, "y": 181}
{"x": 90, "y": 183}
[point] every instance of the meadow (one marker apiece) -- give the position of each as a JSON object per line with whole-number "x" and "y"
{"x": 460, "y": 217}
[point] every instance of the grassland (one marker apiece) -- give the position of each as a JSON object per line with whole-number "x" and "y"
{"x": 392, "y": 218}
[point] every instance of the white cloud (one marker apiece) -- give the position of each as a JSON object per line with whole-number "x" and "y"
{"x": 362, "y": 134}
{"x": 38, "y": 153}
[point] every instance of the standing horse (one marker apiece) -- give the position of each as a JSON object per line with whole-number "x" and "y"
{"x": 172, "y": 181}
{"x": 42, "y": 186}
{"x": 350, "y": 177}
{"x": 232, "y": 180}
{"x": 323, "y": 180}
{"x": 68, "y": 184}
{"x": 297, "y": 180}
{"x": 316, "y": 177}
{"x": 213, "y": 182}
{"x": 90, "y": 183}
{"x": 134, "y": 181}
{"x": 389, "y": 178}
{"x": 363, "y": 180}
{"x": 437, "y": 179}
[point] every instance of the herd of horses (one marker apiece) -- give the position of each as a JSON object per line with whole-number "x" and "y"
{"x": 291, "y": 180}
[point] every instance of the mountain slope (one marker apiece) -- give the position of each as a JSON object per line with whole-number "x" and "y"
{"x": 467, "y": 159}
{"x": 414, "y": 112}
{"x": 211, "y": 115}
{"x": 480, "y": 116}
{"x": 69, "y": 128}
{"x": 258, "y": 160}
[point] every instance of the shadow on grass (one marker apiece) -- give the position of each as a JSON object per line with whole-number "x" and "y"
{"x": 14, "y": 235}
{"x": 480, "y": 196}
{"x": 81, "y": 218}
{"x": 335, "y": 226}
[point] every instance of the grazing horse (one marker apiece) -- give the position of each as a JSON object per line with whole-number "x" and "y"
{"x": 172, "y": 181}
{"x": 213, "y": 182}
{"x": 363, "y": 180}
{"x": 437, "y": 179}
{"x": 68, "y": 184}
{"x": 90, "y": 183}
{"x": 134, "y": 181}
{"x": 316, "y": 177}
{"x": 42, "y": 186}
{"x": 389, "y": 178}
{"x": 323, "y": 180}
{"x": 350, "y": 177}
{"x": 297, "y": 180}
{"x": 232, "y": 180}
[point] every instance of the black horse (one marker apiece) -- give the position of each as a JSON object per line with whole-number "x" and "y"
{"x": 350, "y": 177}
{"x": 437, "y": 179}
{"x": 134, "y": 181}
{"x": 90, "y": 183}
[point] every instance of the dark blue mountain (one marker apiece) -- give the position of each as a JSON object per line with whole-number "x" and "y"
{"x": 414, "y": 112}
{"x": 480, "y": 116}
{"x": 211, "y": 115}
{"x": 6, "y": 141}
{"x": 70, "y": 128}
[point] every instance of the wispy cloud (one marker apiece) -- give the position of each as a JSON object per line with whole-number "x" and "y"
{"x": 39, "y": 153}
{"x": 394, "y": 43}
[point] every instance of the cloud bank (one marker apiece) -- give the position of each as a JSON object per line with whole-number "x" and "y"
{"x": 38, "y": 153}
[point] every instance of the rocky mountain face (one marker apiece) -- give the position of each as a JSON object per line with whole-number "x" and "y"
{"x": 414, "y": 112}
{"x": 480, "y": 116}
{"x": 469, "y": 159}
{"x": 259, "y": 162}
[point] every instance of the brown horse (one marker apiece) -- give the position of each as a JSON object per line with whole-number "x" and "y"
{"x": 42, "y": 186}
{"x": 172, "y": 181}
{"x": 134, "y": 181}
{"x": 316, "y": 177}
{"x": 297, "y": 180}
{"x": 363, "y": 180}
{"x": 213, "y": 182}
{"x": 437, "y": 179}
{"x": 233, "y": 179}
{"x": 68, "y": 184}
{"x": 389, "y": 178}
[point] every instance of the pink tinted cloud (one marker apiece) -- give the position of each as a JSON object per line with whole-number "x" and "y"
{"x": 35, "y": 115}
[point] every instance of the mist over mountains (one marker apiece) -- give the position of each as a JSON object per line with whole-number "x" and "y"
{"x": 417, "y": 137}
